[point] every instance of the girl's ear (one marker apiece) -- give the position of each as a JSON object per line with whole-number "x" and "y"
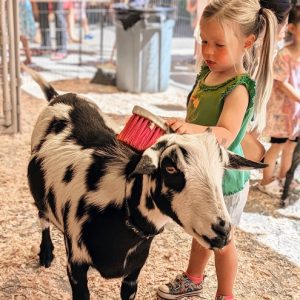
{"x": 250, "y": 40}
{"x": 291, "y": 28}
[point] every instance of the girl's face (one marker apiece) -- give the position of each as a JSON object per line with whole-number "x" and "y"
{"x": 222, "y": 52}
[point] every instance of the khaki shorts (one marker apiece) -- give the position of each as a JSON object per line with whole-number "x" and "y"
{"x": 235, "y": 204}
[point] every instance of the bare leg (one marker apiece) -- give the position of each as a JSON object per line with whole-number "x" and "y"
{"x": 85, "y": 25}
{"x": 198, "y": 259}
{"x": 270, "y": 159}
{"x": 286, "y": 158}
{"x": 225, "y": 261}
{"x": 27, "y": 50}
{"x": 71, "y": 25}
{"x": 226, "y": 268}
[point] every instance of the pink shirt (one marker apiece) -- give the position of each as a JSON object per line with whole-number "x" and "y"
{"x": 283, "y": 114}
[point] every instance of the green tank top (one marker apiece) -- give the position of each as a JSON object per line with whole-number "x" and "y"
{"x": 205, "y": 104}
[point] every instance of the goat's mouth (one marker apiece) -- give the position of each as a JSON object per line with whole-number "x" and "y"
{"x": 219, "y": 241}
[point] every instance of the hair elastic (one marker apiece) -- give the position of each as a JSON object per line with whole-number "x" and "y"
{"x": 260, "y": 11}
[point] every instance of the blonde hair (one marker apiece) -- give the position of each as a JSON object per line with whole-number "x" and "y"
{"x": 251, "y": 18}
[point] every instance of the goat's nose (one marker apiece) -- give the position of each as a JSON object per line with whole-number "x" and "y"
{"x": 222, "y": 229}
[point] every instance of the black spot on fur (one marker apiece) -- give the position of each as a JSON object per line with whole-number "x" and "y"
{"x": 96, "y": 170}
{"x": 39, "y": 146}
{"x": 131, "y": 165}
{"x": 68, "y": 174}
{"x": 52, "y": 202}
{"x": 136, "y": 218}
{"x": 185, "y": 153}
{"x": 56, "y": 126}
{"x": 81, "y": 208}
{"x": 173, "y": 156}
{"x": 220, "y": 154}
{"x": 68, "y": 242}
{"x": 160, "y": 145}
{"x": 175, "y": 181}
{"x": 89, "y": 128}
{"x": 164, "y": 203}
{"x": 36, "y": 181}
{"x": 149, "y": 202}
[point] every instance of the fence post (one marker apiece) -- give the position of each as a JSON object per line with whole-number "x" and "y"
{"x": 10, "y": 72}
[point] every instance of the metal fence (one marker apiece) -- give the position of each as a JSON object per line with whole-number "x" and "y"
{"x": 85, "y": 31}
{"x": 9, "y": 67}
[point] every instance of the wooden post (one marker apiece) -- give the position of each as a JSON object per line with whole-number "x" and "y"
{"x": 10, "y": 77}
{"x": 7, "y": 119}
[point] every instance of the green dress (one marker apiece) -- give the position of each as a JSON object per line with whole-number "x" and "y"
{"x": 205, "y": 104}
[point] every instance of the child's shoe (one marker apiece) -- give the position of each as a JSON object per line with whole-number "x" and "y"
{"x": 88, "y": 37}
{"x": 179, "y": 288}
{"x": 272, "y": 189}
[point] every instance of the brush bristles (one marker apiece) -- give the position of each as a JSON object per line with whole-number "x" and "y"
{"x": 140, "y": 133}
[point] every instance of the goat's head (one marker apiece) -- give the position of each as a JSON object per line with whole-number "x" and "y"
{"x": 187, "y": 171}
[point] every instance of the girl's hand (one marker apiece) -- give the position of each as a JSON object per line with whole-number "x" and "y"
{"x": 179, "y": 126}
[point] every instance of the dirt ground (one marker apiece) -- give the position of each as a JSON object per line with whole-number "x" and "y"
{"x": 262, "y": 273}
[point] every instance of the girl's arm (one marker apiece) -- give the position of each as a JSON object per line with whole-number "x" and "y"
{"x": 230, "y": 120}
{"x": 289, "y": 90}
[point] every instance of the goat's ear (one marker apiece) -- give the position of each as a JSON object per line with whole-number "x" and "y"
{"x": 148, "y": 162}
{"x": 237, "y": 162}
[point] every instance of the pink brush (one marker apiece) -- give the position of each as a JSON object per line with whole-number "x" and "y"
{"x": 142, "y": 129}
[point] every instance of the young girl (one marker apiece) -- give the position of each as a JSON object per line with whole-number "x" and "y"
{"x": 223, "y": 99}
{"x": 283, "y": 118}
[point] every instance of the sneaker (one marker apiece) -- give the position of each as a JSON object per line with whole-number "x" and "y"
{"x": 58, "y": 56}
{"x": 88, "y": 37}
{"x": 272, "y": 189}
{"x": 180, "y": 287}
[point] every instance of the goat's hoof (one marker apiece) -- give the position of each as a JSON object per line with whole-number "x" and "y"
{"x": 46, "y": 258}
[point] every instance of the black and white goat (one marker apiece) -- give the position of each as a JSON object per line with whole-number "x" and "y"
{"x": 110, "y": 201}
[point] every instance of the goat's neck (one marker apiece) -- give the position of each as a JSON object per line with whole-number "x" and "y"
{"x": 143, "y": 208}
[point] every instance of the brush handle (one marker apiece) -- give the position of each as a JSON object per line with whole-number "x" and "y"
{"x": 160, "y": 122}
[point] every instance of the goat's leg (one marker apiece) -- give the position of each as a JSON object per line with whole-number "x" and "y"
{"x": 129, "y": 285}
{"x": 77, "y": 274}
{"x": 290, "y": 174}
{"x": 46, "y": 247}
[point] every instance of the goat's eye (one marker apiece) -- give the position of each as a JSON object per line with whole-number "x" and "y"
{"x": 171, "y": 170}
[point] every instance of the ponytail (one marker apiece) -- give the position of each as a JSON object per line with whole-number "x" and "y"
{"x": 262, "y": 70}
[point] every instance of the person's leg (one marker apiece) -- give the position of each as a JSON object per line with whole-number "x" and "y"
{"x": 286, "y": 158}
{"x": 71, "y": 25}
{"x": 270, "y": 160}
{"x": 198, "y": 260}
{"x": 44, "y": 26}
{"x": 226, "y": 268}
{"x": 27, "y": 50}
{"x": 61, "y": 27}
{"x": 189, "y": 283}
